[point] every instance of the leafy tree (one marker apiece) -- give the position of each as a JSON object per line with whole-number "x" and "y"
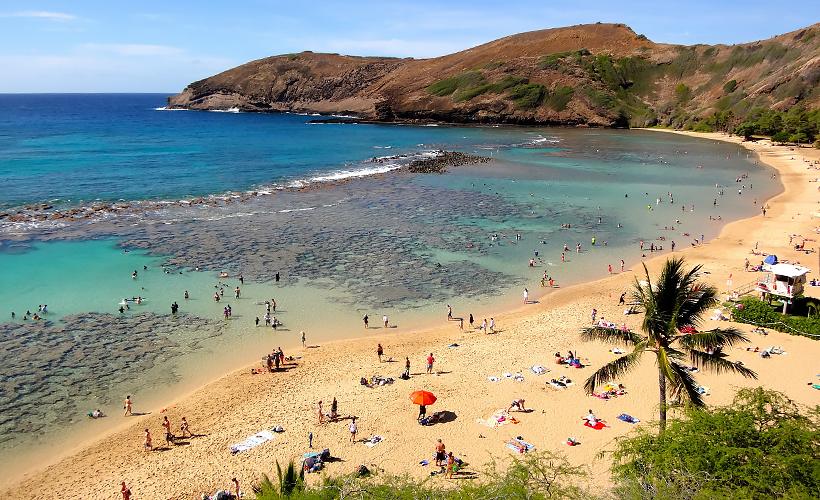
{"x": 781, "y": 137}
{"x": 746, "y": 129}
{"x": 673, "y": 307}
{"x": 683, "y": 93}
{"x": 760, "y": 447}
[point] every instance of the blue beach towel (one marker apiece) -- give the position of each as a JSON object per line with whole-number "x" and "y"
{"x": 515, "y": 448}
{"x": 628, "y": 419}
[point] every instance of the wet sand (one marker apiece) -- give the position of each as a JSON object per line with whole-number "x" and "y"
{"x": 239, "y": 405}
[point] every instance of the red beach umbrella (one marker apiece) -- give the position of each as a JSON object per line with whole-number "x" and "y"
{"x": 422, "y": 398}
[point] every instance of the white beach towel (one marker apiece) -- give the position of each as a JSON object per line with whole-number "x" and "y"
{"x": 506, "y": 375}
{"x": 538, "y": 370}
{"x": 253, "y": 441}
{"x": 493, "y": 379}
{"x": 373, "y": 441}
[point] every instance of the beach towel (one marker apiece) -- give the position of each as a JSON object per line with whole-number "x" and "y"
{"x": 519, "y": 378}
{"x": 538, "y": 370}
{"x": 493, "y": 379}
{"x": 507, "y": 375}
{"x": 424, "y": 462}
{"x": 816, "y": 386}
{"x": 252, "y": 442}
{"x": 373, "y": 441}
{"x": 598, "y": 425}
{"x": 500, "y": 417}
{"x": 561, "y": 382}
{"x": 628, "y": 419}
{"x": 513, "y": 447}
{"x": 618, "y": 351}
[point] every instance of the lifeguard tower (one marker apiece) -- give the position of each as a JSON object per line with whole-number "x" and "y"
{"x": 785, "y": 282}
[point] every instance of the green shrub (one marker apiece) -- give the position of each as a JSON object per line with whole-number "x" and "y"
{"x": 560, "y": 97}
{"x": 498, "y": 87}
{"x": 449, "y": 85}
{"x": 762, "y": 446}
{"x": 729, "y": 86}
{"x": 702, "y": 126}
{"x": 492, "y": 65}
{"x": 528, "y": 96}
{"x": 293, "y": 57}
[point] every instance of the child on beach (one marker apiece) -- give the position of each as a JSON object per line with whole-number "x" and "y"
{"x": 353, "y": 429}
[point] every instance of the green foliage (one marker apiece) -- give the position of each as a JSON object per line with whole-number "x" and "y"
{"x": 533, "y": 476}
{"x": 498, "y": 87}
{"x": 757, "y": 312}
{"x": 682, "y": 93}
{"x": 781, "y": 137}
{"x": 642, "y": 37}
{"x": 560, "y": 97}
{"x": 449, "y": 85}
{"x": 702, "y": 126}
{"x": 554, "y": 61}
{"x": 528, "y": 96}
{"x": 762, "y": 446}
{"x": 809, "y": 36}
{"x": 293, "y": 57}
{"x": 730, "y": 86}
{"x": 492, "y": 65}
{"x": 746, "y": 130}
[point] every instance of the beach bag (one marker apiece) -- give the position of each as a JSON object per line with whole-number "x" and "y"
{"x": 363, "y": 381}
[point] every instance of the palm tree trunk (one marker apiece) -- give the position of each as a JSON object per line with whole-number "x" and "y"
{"x": 662, "y": 394}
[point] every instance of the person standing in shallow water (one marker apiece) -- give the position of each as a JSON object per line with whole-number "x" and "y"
{"x": 365, "y": 319}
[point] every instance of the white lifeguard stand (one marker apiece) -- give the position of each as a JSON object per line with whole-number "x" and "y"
{"x": 786, "y": 282}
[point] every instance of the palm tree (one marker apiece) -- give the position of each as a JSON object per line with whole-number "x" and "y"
{"x": 673, "y": 309}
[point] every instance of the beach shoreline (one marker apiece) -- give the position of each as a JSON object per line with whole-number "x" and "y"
{"x": 238, "y": 405}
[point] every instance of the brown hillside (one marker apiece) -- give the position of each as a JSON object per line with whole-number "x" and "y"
{"x": 599, "y": 74}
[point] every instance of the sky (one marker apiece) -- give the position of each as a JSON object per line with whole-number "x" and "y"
{"x": 153, "y": 46}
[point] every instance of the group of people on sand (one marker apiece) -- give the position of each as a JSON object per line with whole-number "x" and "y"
{"x": 274, "y": 360}
{"x": 148, "y": 443}
{"x": 484, "y": 326}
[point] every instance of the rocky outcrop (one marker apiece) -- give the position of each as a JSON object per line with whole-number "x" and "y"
{"x": 590, "y": 75}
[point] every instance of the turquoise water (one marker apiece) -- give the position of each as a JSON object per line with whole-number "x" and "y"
{"x": 397, "y": 244}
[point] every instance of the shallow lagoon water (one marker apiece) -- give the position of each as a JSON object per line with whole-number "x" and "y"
{"x": 397, "y": 244}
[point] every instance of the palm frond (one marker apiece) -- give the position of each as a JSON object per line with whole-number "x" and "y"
{"x": 719, "y": 364}
{"x": 610, "y": 335}
{"x": 713, "y": 338}
{"x": 613, "y": 370}
{"x": 684, "y": 385}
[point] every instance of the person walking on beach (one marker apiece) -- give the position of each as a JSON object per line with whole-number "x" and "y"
{"x": 303, "y": 338}
{"x": 440, "y": 457}
{"x": 235, "y": 486}
{"x": 127, "y": 406}
{"x": 269, "y": 362}
{"x": 379, "y": 352}
{"x": 622, "y": 265}
{"x": 319, "y": 411}
{"x": 594, "y": 313}
{"x": 147, "y": 444}
{"x": 366, "y": 325}
{"x": 353, "y": 428}
{"x": 451, "y": 461}
{"x": 492, "y": 325}
{"x": 471, "y": 321}
{"x": 384, "y": 319}
{"x": 184, "y": 428}
{"x": 461, "y": 324}
{"x": 484, "y": 326}
{"x": 449, "y": 313}
{"x": 407, "y": 367}
{"x": 126, "y": 493}
{"x": 526, "y": 296}
{"x": 430, "y": 361}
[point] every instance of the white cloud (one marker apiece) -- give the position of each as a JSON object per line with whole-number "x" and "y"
{"x": 57, "y": 16}
{"x": 132, "y": 49}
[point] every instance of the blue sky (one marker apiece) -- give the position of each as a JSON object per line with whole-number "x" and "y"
{"x": 152, "y": 46}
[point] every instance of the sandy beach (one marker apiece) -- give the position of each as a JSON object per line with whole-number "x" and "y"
{"x": 240, "y": 405}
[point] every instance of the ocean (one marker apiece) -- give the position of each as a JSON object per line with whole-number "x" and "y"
{"x": 208, "y": 202}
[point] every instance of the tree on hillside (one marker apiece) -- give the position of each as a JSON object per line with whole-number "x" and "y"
{"x": 673, "y": 307}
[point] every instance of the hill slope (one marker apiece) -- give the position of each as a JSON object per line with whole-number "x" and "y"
{"x": 596, "y": 75}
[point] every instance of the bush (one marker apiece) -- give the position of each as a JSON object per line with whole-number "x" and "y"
{"x": 449, "y": 85}
{"x": 293, "y": 57}
{"x": 493, "y": 88}
{"x": 559, "y": 99}
{"x": 729, "y": 86}
{"x": 702, "y": 126}
{"x": 760, "y": 313}
{"x": 781, "y": 137}
{"x": 528, "y": 96}
{"x": 762, "y": 446}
